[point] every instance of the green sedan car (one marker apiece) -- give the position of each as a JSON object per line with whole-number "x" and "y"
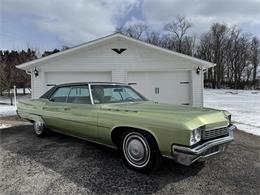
{"x": 115, "y": 115}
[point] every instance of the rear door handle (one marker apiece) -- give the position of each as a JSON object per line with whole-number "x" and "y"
{"x": 66, "y": 108}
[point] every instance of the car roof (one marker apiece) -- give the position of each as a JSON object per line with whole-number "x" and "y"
{"x": 87, "y": 83}
{"x": 47, "y": 94}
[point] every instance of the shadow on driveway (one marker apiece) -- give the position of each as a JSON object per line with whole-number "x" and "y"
{"x": 96, "y": 169}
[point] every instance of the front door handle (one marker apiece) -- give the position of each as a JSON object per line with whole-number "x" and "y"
{"x": 66, "y": 108}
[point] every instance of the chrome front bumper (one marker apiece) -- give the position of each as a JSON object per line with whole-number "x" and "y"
{"x": 187, "y": 156}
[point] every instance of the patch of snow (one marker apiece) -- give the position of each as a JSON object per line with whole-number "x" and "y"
{"x": 244, "y": 105}
{"x": 20, "y": 90}
{"x": 6, "y": 100}
{"x": 3, "y": 126}
{"x": 7, "y": 110}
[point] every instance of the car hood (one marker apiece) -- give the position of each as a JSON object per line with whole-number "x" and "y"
{"x": 192, "y": 117}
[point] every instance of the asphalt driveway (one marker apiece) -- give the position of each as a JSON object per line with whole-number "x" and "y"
{"x": 61, "y": 164}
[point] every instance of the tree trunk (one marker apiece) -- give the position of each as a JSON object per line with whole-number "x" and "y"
{"x": 10, "y": 96}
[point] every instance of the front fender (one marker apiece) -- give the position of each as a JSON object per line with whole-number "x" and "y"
{"x": 136, "y": 127}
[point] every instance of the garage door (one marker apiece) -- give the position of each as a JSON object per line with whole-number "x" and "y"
{"x": 69, "y": 77}
{"x": 164, "y": 87}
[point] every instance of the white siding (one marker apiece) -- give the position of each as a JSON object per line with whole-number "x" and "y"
{"x": 197, "y": 89}
{"x": 66, "y": 77}
{"x": 119, "y": 75}
{"x": 38, "y": 87}
{"x": 100, "y": 58}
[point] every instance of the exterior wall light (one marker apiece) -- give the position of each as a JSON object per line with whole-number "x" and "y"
{"x": 36, "y": 72}
{"x": 198, "y": 69}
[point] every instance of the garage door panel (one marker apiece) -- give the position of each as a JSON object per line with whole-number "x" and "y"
{"x": 56, "y": 78}
{"x": 70, "y": 77}
{"x": 164, "y": 87}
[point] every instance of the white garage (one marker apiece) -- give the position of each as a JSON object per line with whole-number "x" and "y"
{"x": 165, "y": 87}
{"x": 159, "y": 74}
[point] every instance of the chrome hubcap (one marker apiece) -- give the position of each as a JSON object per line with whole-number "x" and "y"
{"x": 38, "y": 127}
{"x": 136, "y": 149}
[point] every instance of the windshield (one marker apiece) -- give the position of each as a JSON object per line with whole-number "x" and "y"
{"x": 114, "y": 94}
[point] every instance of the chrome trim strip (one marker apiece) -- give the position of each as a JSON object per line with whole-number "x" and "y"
{"x": 123, "y": 84}
{"x": 90, "y": 94}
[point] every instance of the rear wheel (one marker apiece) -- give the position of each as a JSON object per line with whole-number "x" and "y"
{"x": 140, "y": 151}
{"x": 39, "y": 129}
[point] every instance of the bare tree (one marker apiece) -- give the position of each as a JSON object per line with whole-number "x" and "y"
{"x": 153, "y": 38}
{"x": 3, "y": 79}
{"x": 133, "y": 30}
{"x": 188, "y": 45}
{"x": 219, "y": 32}
{"x": 9, "y": 74}
{"x": 167, "y": 42}
{"x": 255, "y": 58}
{"x": 205, "y": 52}
{"x": 178, "y": 29}
{"x": 231, "y": 50}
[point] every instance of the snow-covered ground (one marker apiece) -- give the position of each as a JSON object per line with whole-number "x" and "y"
{"x": 3, "y": 126}
{"x": 244, "y": 105}
{"x": 20, "y": 90}
{"x": 7, "y": 110}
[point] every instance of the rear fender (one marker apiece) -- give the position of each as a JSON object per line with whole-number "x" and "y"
{"x": 32, "y": 117}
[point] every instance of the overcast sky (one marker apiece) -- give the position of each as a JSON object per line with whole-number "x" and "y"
{"x": 49, "y": 24}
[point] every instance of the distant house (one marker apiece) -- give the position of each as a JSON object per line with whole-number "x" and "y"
{"x": 159, "y": 74}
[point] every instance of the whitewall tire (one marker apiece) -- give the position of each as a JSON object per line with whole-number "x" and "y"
{"x": 140, "y": 151}
{"x": 39, "y": 129}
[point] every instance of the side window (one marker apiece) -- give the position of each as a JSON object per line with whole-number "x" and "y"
{"x": 61, "y": 94}
{"x": 130, "y": 94}
{"x": 79, "y": 95}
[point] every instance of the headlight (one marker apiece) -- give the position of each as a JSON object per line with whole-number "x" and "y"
{"x": 229, "y": 118}
{"x": 195, "y": 136}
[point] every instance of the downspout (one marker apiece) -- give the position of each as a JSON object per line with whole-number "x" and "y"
{"x": 28, "y": 72}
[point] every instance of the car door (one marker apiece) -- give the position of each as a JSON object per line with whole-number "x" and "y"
{"x": 53, "y": 111}
{"x": 82, "y": 114}
{"x": 70, "y": 111}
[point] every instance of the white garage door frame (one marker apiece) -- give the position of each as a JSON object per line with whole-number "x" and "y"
{"x": 184, "y": 79}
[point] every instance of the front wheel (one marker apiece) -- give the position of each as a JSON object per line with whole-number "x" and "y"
{"x": 140, "y": 151}
{"x": 39, "y": 129}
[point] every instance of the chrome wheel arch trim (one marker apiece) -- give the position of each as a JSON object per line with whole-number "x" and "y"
{"x": 129, "y": 127}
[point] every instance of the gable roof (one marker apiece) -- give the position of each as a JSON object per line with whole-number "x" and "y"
{"x": 27, "y": 65}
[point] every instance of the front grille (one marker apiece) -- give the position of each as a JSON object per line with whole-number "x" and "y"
{"x": 209, "y": 134}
